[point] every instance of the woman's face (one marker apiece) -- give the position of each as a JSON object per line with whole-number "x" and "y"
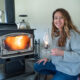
{"x": 58, "y": 20}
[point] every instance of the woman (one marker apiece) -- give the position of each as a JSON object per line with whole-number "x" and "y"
{"x": 65, "y": 58}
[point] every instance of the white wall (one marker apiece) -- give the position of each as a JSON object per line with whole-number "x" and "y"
{"x": 40, "y": 13}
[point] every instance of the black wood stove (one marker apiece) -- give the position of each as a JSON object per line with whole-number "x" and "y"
{"x": 12, "y": 51}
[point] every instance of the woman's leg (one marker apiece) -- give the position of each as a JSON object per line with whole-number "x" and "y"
{"x": 63, "y": 76}
{"x": 48, "y": 68}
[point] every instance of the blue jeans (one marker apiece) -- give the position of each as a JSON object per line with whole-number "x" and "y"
{"x": 49, "y": 68}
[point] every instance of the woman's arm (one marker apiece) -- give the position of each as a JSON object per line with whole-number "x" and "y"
{"x": 74, "y": 54}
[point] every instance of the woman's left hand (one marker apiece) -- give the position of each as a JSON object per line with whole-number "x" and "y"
{"x": 57, "y": 52}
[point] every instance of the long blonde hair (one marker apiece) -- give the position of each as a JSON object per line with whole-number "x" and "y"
{"x": 68, "y": 25}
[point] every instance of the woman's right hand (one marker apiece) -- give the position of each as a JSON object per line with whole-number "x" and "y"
{"x": 42, "y": 60}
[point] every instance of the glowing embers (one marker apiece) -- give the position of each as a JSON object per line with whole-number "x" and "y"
{"x": 18, "y": 42}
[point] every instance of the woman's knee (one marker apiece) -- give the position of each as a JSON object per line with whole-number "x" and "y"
{"x": 36, "y": 67}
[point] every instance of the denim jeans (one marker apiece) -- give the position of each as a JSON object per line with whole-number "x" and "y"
{"x": 49, "y": 68}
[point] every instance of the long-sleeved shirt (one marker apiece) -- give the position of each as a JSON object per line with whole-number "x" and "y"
{"x": 70, "y": 62}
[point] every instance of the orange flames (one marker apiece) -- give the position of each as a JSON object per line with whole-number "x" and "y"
{"x": 18, "y": 42}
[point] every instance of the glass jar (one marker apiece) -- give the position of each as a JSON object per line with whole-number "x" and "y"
{"x": 1, "y": 13}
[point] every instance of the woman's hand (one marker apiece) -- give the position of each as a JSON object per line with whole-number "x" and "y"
{"x": 43, "y": 60}
{"x": 57, "y": 52}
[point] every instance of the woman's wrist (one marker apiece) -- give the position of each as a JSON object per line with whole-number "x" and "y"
{"x": 62, "y": 53}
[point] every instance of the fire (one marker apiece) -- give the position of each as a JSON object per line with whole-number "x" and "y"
{"x": 46, "y": 40}
{"x": 18, "y": 42}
